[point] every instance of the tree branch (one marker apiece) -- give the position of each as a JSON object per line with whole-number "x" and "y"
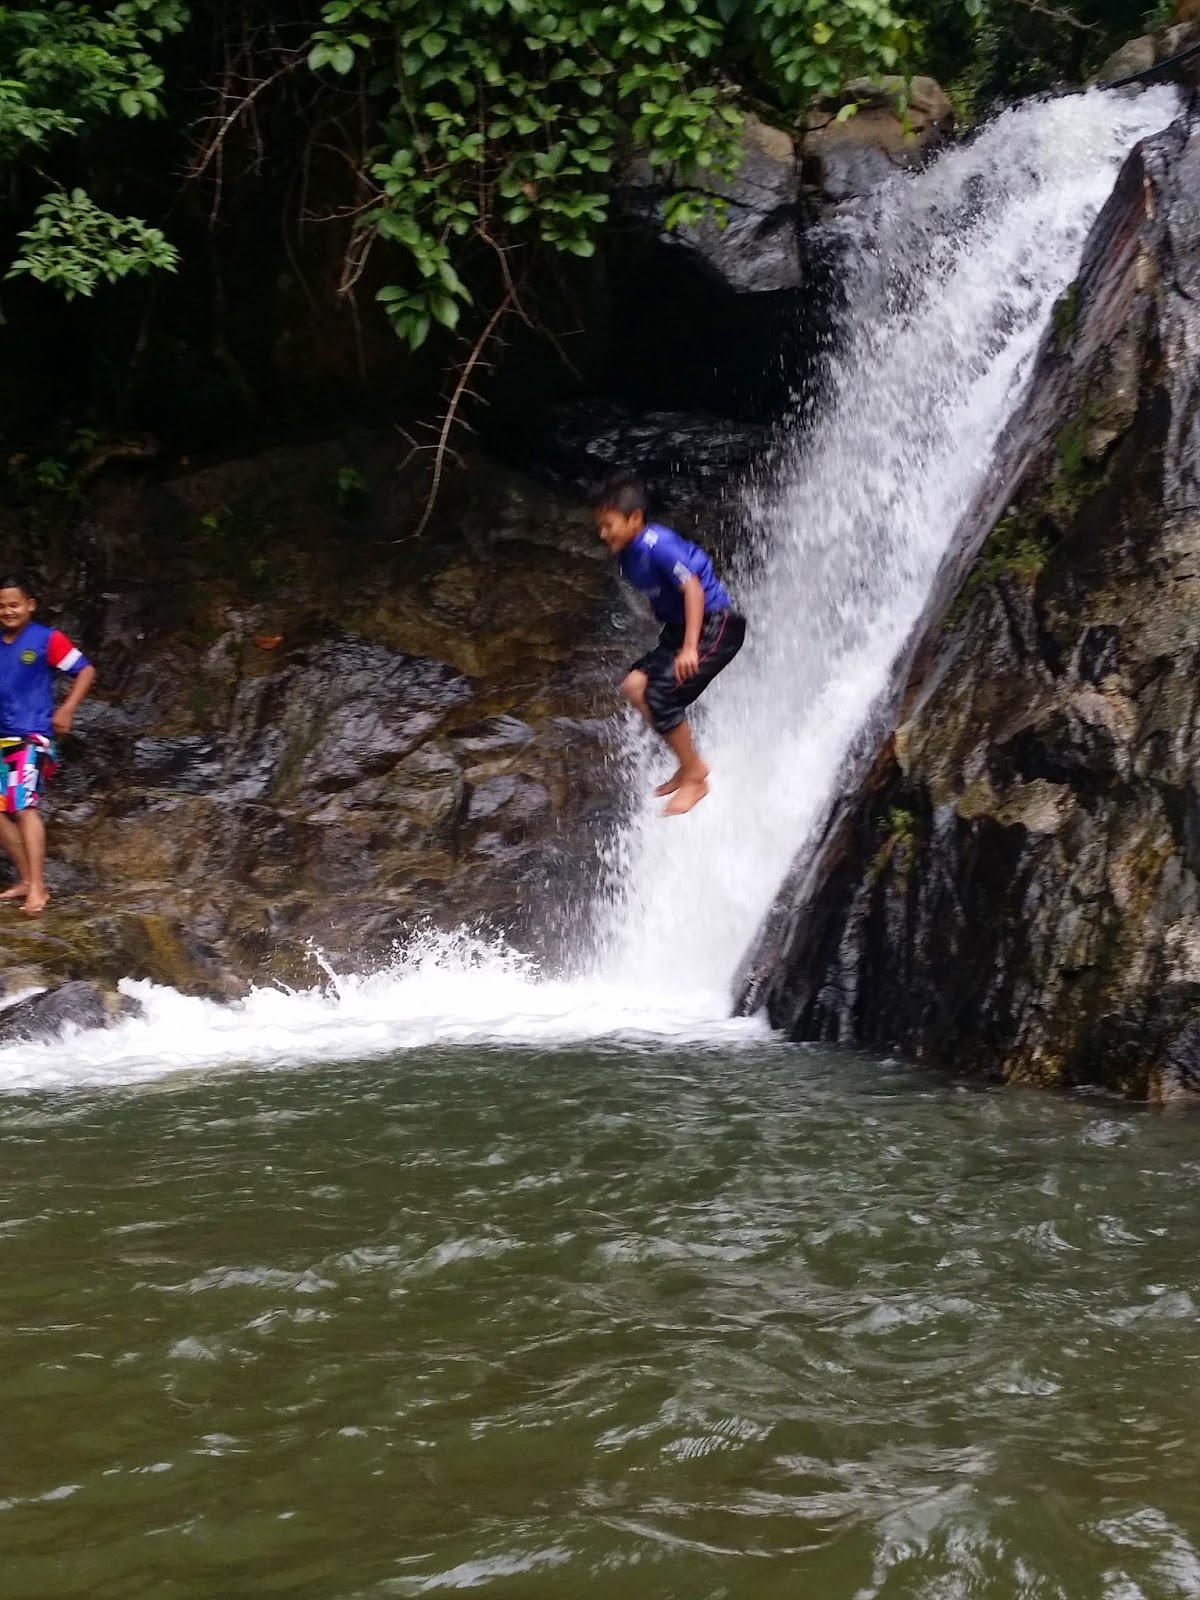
{"x": 460, "y": 389}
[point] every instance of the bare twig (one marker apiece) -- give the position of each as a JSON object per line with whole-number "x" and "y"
{"x": 460, "y": 389}
{"x": 1056, "y": 15}
{"x": 239, "y": 110}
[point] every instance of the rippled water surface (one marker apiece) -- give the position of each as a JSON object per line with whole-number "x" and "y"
{"x": 743, "y": 1322}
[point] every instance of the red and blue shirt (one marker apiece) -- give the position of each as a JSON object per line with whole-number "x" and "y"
{"x": 660, "y": 561}
{"x": 27, "y": 666}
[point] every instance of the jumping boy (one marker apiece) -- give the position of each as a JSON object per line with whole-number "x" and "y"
{"x": 29, "y": 653}
{"x": 701, "y": 633}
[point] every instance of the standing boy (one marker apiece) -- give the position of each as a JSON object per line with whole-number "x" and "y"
{"x": 701, "y": 633}
{"x": 29, "y": 653}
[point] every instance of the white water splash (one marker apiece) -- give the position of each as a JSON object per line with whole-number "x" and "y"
{"x": 952, "y": 288}
{"x": 953, "y": 285}
{"x": 440, "y": 991}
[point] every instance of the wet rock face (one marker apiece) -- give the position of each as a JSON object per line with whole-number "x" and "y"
{"x": 1158, "y": 49}
{"x": 367, "y": 740}
{"x": 844, "y": 157}
{"x": 693, "y": 464}
{"x": 758, "y": 249}
{"x": 1014, "y": 885}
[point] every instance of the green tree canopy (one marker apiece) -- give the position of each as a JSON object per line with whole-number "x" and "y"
{"x": 505, "y": 119}
{"x": 496, "y": 121}
{"x": 454, "y": 147}
{"x": 65, "y": 68}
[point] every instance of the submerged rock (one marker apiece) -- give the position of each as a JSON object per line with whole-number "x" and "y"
{"x": 78, "y": 1004}
{"x": 1014, "y": 883}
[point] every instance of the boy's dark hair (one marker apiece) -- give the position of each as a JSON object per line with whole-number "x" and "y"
{"x": 624, "y": 493}
{"x": 17, "y": 580}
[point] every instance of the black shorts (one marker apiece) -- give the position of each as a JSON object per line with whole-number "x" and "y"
{"x": 721, "y": 637}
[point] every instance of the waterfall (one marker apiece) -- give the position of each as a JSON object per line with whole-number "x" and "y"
{"x": 951, "y": 278}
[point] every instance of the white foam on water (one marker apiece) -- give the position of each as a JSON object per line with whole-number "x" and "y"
{"x": 952, "y": 282}
{"x": 443, "y": 990}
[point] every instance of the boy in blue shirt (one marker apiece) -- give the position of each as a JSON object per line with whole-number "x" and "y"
{"x": 29, "y": 654}
{"x": 701, "y": 632}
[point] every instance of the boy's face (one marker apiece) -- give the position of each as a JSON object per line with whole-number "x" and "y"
{"x": 616, "y": 530}
{"x": 16, "y": 608}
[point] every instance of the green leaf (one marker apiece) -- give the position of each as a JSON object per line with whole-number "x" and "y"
{"x": 445, "y": 309}
{"x": 433, "y": 44}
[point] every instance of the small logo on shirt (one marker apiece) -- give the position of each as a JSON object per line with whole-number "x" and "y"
{"x": 28, "y": 657}
{"x": 650, "y": 539}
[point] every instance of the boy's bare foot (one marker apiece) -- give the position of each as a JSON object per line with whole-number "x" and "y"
{"x": 17, "y": 892}
{"x": 687, "y": 795}
{"x": 677, "y": 779}
{"x": 36, "y": 902}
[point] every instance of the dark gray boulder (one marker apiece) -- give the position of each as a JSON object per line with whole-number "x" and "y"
{"x": 757, "y": 247}
{"x": 77, "y": 1004}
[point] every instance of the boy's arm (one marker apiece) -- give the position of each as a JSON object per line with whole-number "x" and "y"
{"x": 687, "y": 661}
{"x": 62, "y": 719}
{"x": 669, "y": 558}
{"x": 63, "y": 656}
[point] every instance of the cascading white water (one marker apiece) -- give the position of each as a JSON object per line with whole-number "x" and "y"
{"x": 954, "y": 277}
{"x": 949, "y": 293}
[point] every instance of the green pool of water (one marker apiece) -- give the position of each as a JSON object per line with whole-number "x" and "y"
{"x": 758, "y": 1323}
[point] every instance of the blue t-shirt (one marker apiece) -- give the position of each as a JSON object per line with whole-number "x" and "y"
{"x": 660, "y": 562}
{"x": 27, "y": 678}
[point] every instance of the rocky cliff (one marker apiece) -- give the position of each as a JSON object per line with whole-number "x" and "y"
{"x": 309, "y": 736}
{"x": 1012, "y": 883}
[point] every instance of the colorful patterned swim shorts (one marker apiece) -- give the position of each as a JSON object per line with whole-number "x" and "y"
{"x": 26, "y": 766}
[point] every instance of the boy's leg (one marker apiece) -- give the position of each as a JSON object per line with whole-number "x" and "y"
{"x": 33, "y": 841}
{"x": 658, "y": 703}
{"x": 690, "y": 784}
{"x": 23, "y": 834}
{"x": 721, "y": 638}
{"x": 633, "y": 687}
{"x": 14, "y": 849}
